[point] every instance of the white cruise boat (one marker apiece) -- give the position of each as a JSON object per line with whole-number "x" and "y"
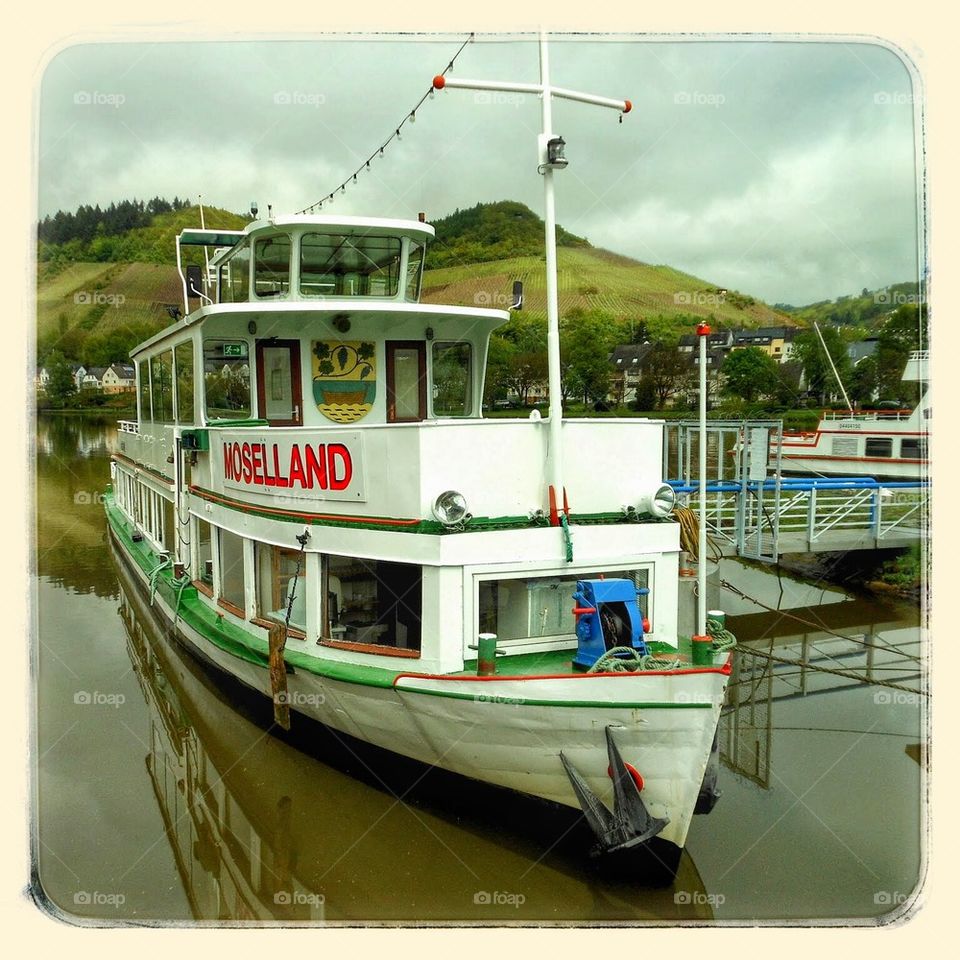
{"x": 885, "y": 444}
{"x": 312, "y": 499}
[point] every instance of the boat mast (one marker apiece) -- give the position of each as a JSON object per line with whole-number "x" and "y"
{"x": 550, "y": 158}
{"x": 836, "y": 375}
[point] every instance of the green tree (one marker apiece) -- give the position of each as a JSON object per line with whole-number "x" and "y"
{"x": 586, "y": 340}
{"x": 816, "y": 367}
{"x": 750, "y": 374}
{"x": 666, "y": 369}
{"x": 864, "y": 382}
{"x": 61, "y": 385}
{"x": 903, "y": 332}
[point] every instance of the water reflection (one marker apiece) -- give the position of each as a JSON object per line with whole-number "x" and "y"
{"x": 263, "y": 831}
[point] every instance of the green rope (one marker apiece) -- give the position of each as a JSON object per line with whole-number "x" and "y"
{"x": 154, "y": 575}
{"x": 723, "y": 639}
{"x": 567, "y": 537}
{"x": 627, "y": 660}
{"x": 182, "y": 584}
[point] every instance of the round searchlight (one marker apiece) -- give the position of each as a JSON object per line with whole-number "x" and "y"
{"x": 450, "y": 508}
{"x": 660, "y": 502}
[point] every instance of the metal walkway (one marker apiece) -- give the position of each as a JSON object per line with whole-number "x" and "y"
{"x": 753, "y": 511}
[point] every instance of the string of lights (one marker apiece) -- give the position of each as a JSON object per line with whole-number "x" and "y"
{"x": 409, "y": 117}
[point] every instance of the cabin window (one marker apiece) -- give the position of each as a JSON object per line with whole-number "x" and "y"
{"x": 452, "y": 379}
{"x": 226, "y": 379}
{"x": 414, "y": 271}
{"x": 235, "y": 276}
{"x": 183, "y": 358}
{"x": 232, "y": 574}
{"x": 333, "y": 265}
{"x": 843, "y": 446}
{"x": 271, "y": 267}
{"x": 372, "y": 603}
{"x": 161, "y": 386}
{"x": 143, "y": 379}
{"x": 532, "y": 609}
{"x": 406, "y": 381}
{"x": 879, "y": 447}
{"x": 204, "y": 573}
{"x": 277, "y": 579}
{"x": 913, "y": 448}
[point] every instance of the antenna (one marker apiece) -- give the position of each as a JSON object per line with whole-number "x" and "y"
{"x": 836, "y": 375}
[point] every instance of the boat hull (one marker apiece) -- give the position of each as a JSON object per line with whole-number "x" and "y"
{"x": 510, "y": 731}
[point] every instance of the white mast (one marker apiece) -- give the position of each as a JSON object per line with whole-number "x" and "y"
{"x": 836, "y": 375}
{"x": 550, "y": 158}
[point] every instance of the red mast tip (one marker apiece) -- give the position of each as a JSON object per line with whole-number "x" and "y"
{"x": 627, "y": 106}
{"x": 703, "y": 329}
{"x": 439, "y": 82}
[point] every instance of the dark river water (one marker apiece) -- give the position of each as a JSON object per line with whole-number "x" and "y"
{"x": 164, "y": 797}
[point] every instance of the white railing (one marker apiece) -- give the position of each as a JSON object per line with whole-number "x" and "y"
{"x": 128, "y": 426}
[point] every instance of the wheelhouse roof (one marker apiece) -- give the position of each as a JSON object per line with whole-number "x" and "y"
{"x": 398, "y": 309}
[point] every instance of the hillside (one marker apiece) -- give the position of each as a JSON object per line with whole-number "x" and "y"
{"x": 591, "y": 278}
{"x": 866, "y": 310}
{"x": 97, "y": 298}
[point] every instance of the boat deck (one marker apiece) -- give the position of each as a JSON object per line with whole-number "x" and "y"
{"x": 554, "y": 662}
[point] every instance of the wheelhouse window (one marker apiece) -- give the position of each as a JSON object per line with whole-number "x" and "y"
{"x": 879, "y": 447}
{"x": 278, "y": 582}
{"x": 226, "y": 379}
{"x": 335, "y": 265}
{"x": 183, "y": 360}
{"x": 372, "y": 603}
{"x": 540, "y": 609}
{"x": 414, "y": 271}
{"x": 452, "y": 379}
{"x": 235, "y": 276}
{"x": 271, "y": 267}
{"x": 161, "y": 386}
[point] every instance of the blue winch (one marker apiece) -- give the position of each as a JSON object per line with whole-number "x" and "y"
{"x": 608, "y": 615}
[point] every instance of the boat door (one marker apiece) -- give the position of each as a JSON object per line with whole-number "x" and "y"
{"x": 279, "y": 390}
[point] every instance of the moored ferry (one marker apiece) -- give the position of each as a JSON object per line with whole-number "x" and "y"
{"x": 886, "y": 444}
{"x": 313, "y": 500}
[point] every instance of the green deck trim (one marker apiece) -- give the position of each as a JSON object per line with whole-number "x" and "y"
{"x": 431, "y": 527}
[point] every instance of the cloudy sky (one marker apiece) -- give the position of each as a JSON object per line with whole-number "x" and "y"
{"x": 787, "y": 170}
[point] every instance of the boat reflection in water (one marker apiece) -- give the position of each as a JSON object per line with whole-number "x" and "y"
{"x": 263, "y": 830}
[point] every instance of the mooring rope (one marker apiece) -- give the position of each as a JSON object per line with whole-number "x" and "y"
{"x": 154, "y": 575}
{"x": 690, "y": 534}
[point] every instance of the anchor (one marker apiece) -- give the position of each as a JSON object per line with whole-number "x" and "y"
{"x": 631, "y": 822}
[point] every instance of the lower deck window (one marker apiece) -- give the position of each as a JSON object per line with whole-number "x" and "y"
{"x": 278, "y": 581}
{"x": 913, "y": 448}
{"x": 879, "y": 447}
{"x": 232, "y": 579}
{"x": 527, "y": 609}
{"x": 204, "y": 553}
{"x": 372, "y": 602}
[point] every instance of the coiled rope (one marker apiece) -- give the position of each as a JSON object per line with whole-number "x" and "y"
{"x": 628, "y": 660}
{"x": 690, "y": 534}
{"x": 723, "y": 639}
{"x": 154, "y": 575}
